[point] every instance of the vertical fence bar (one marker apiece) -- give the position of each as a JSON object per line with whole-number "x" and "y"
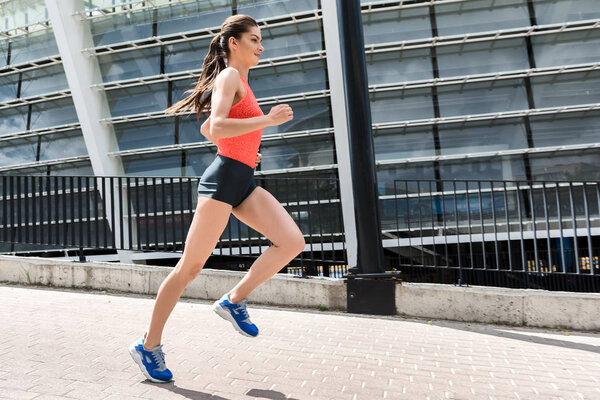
{"x": 79, "y": 212}
{"x": 457, "y": 230}
{"x": 146, "y": 208}
{"x": 121, "y": 215}
{"x": 547, "y": 218}
{"x": 444, "y": 222}
{"x": 588, "y": 228}
{"x": 88, "y": 211}
{"x": 62, "y": 197}
{"x": 96, "y": 212}
{"x": 408, "y": 227}
{"x": 433, "y": 231}
{"x": 574, "y": 225}
{"x": 420, "y": 223}
{"x": 481, "y": 222}
{"x": 26, "y": 208}
{"x": 12, "y": 232}
{"x": 72, "y": 208}
{"x": 181, "y": 227}
{"x": 560, "y": 228}
{"x": 4, "y": 209}
{"x": 173, "y": 224}
{"x": 494, "y": 220}
{"x": 507, "y": 215}
{"x": 534, "y": 225}
{"x": 320, "y": 210}
{"x": 104, "y": 214}
{"x": 19, "y": 222}
{"x": 33, "y": 211}
{"x": 472, "y": 259}
{"x": 523, "y": 263}
{"x": 64, "y": 208}
{"x": 49, "y": 209}
{"x": 164, "y": 214}
{"x": 112, "y": 211}
{"x": 129, "y": 215}
{"x": 154, "y": 214}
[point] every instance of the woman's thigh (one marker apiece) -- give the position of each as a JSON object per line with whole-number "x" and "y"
{"x": 210, "y": 219}
{"x": 263, "y": 213}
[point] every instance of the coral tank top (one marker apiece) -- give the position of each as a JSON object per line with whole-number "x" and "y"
{"x": 243, "y": 148}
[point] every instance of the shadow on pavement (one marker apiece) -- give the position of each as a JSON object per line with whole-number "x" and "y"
{"x": 267, "y": 394}
{"x": 187, "y": 393}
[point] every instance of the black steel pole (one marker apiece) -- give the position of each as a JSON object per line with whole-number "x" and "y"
{"x": 362, "y": 155}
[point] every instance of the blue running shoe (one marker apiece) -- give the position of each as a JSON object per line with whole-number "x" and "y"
{"x": 151, "y": 362}
{"x": 237, "y": 314}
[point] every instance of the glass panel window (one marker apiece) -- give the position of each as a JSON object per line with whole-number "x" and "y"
{"x": 130, "y": 64}
{"x": 137, "y": 99}
{"x": 3, "y": 53}
{"x": 33, "y": 47}
{"x": 405, "y": 142}
{"x": 292, "y": 39}
{"x": 568, "y": 48}
{"x": 197, "y": 160}
{"x": 185, "y": 56}
{"x": 477, "y": 137}
{"x": 510, "y": 167}
{"x": 567, "y": 165}
{"x": 482, "y": 97}
{"x": 44, "y": 80}
{"x": 260, "y": 9}
{"x": 298, "y": 152}
{"x": 566, "y": 89}
{"x": 122, "y": 28}
{"x": 189, "y": 130}
{"x": 288, "y": 79}
{"x": 192, "y": 16}
{"x": 20, "y": 151}
{"x": 155, "y": 164}
{"x": 565, "y": 129}
{"x": 62, "y": 145}
{"x": 72, "y": 169}
{"x": 8, "y": 87}
{"x": 480, "y": 16}
{"x": 557, "y": 11}
{"x": 144, "y": 134}
{"x": 386, "y": 174}
{"x": 482, "y": 57}
{"x": 396, "y": 25}
{"x": 308, "y": 114}
{"x": 53, "y": 113}
{"x": 399, "y": 66}
{"x": 401, "y": 105}
{"x": 13, "y": 120}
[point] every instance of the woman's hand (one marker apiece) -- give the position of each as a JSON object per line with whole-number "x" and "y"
{"x": 280, "y": 114}
{"x": 258, "y": 157}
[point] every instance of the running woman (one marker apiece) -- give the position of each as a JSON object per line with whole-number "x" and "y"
{"x": 235, "y": 124}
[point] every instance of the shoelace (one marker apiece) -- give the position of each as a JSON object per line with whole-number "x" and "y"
{"x": 242, "y": 309}
{"x": 159, "y": 357}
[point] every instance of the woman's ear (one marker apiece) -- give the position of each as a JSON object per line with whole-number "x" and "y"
{"x": 233, "y": 43}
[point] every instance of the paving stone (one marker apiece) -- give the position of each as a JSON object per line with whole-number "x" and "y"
{"x": 68, "y": 344}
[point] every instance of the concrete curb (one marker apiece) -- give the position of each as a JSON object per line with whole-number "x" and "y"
{"x": 518, "y": 307}
{"x": 285, "y": 290}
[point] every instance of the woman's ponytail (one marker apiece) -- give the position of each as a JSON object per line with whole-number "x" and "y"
{"x": 214, "y": 62}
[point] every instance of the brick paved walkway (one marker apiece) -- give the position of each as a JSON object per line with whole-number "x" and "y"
{"x": 63, "y": 344}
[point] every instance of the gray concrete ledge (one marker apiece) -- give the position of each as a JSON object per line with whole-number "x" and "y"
{"x": 518, "y": 307}
{"x": 280, "y": 290}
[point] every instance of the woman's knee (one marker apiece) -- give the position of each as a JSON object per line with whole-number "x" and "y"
{"x": 294, "y": 242}
{"x": 188, "y": 271}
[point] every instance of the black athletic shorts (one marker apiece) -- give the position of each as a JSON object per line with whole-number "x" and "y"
{"x": 227, "y": 180}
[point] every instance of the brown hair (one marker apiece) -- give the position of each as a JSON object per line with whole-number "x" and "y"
{"x": 214, "y": 62}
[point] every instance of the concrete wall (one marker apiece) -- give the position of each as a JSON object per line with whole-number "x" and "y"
{"x": 521, "y": 307}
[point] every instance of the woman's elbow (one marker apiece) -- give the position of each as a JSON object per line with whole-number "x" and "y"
{"x": 215, "y": 128}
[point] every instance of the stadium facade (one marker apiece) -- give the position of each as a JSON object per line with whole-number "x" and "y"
{"x": 459, "y": 89}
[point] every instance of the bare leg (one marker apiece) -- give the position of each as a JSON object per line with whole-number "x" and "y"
{"x": 262, "y": 212}
{"x": 210, "y": 219}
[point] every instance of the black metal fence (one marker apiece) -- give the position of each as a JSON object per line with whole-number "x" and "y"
{"x": 500, "y": 233}
{"x": 154, "y": 214}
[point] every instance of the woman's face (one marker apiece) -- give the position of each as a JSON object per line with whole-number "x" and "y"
{"x": 248, "y": 48}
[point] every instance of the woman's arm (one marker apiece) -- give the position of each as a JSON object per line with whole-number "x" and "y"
{"x": 224, "y": 91}
{"x": 205, "y": 131}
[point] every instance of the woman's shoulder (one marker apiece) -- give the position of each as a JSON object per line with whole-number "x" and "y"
{"x": 229, "y": 74}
